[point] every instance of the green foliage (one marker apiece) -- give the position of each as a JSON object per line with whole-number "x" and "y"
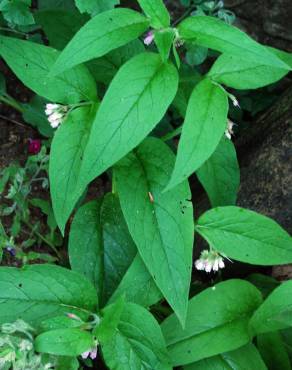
{"x": 32, "y": 62}
{"x": 17, "y": 12}
{"x": 245, "y": 236}
{"x": 202, "y": 131}
{"x": 155, "y": 219}
{"x": 217, "y": 321}
{"x": 112, "y": 108}
{"x": 219, "y": 175}
{"x": 156, "y": 11}
{"x": 105, "y": 32}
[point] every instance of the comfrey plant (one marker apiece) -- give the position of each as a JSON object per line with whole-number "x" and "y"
{"x": 130, "y": 251}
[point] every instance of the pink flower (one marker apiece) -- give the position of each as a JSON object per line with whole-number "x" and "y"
{"x": 149, "y": 38}
{"x": 34, "y": 146}
{"x": 92, "y": 353}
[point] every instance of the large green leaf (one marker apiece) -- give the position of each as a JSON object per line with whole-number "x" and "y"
{"x": 137, "y": 286}
{"x": 64, "y": 342}
{"x": 65, "y": 161}
{"x": 204, "y": 126}
{"x": 217, "y": 321}
{"x": 156, "y": 12}
{"x": 94, "y": 7}
{"x": 32, "y": 62}
{"x": 241, "y": 73}
{"x": 135, "y": 102}
{"x": 86, "y": 245}
{"x": 276, "y": 312}
{"x": 119, "y": 248}
{"x": 273, "y": 351}
{"x": 218, "y": 35}
{"x": 60, "y": 25}
{"x": 137, "y": 344}
{"x": 244, "y": 358}
{"x": 104, "y": 69}
{"x": 161, "y": 224}
{"x": 103, "y": 33}
{"x": 219, "y": 175}
{"x": 37, "y": 292}
{"x": 246, "y": 236}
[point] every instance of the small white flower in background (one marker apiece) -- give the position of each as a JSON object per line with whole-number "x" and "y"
{"x": 234, "y": 100}
{"x": 92, "y": 353}
{"x": 178, "y": 41}
{"x": 209, "y": 260}
{"x": 56, "y": 114}
{"x": 229, "y": 130}
{"x": 149, "y": 38}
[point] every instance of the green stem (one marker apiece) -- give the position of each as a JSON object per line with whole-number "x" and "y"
{"x": 43, "y": 239}
{"x": 172, "y": 134}
{"x": 11, "y": 30}
{"x": 12, "y": 102}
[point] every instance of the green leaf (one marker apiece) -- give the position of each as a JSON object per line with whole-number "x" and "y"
{"x": 156, "y": 11}
{"x": 137, "y": 286}
{"x": 266, "y": 284}
{"x": 219, "y": 175}
{"x": 56, "y": 4}
{"x": 104, "y": 69}
{"x": 273, "y": 351}
{"x": 162, "y": 227}
{"x": 103, "y": 33}
{"x": 241, "y": 73}
{"x": 164, "y": 40}
{"x": 37, "y": 292}
{"x": 119, "y": 248}
{"x": 60, "y": 25}
{"x": 66, "y": 155}
{"x": 283, "y": 55}
{"x": 137, "y": 344}
{"x": 217, "y": 321}
{"x": 188, "y": 79}
{"x": 34, "y": 114}
{"x": 17, "y": 12}
{"x": 135, "y": 102}
{"x": 60, "y": 322}
{"x": 64, "y": 342}
{"x": 85, "y": 244}
{"x": 218, "y": 35}
{"x": 94, "y": 7}
{"x": 32, "y": 62}
{"x": 203, "y": 128}
{"x": 245, "y": 236}
{"x": 244, "y": 358}
{"x": 2, "y": 84}
{"x": 67, "y": 363}
{"x": 111, "y": 316}
{"x": 275, "y": 312}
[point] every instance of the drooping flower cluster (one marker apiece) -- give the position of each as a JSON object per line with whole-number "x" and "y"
{"x": 229, "y": 129}
{"x": 209, "y": 260}
{"x": 56, "y": 114}
{"x": 92, "y": 353}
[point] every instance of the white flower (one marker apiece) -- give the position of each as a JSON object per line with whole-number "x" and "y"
{"x": 229, "y": 129}
{"x": 234, "y": 100}
{"x": 209, "y": 260}
{"x": 56, "y": 114}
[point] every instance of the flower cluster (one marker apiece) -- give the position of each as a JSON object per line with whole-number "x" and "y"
{"x": 56, "y": 114}
{"x": 92, "y": 353}
{"x": 229, "y": 129}
{"x": 209, "y": 260}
